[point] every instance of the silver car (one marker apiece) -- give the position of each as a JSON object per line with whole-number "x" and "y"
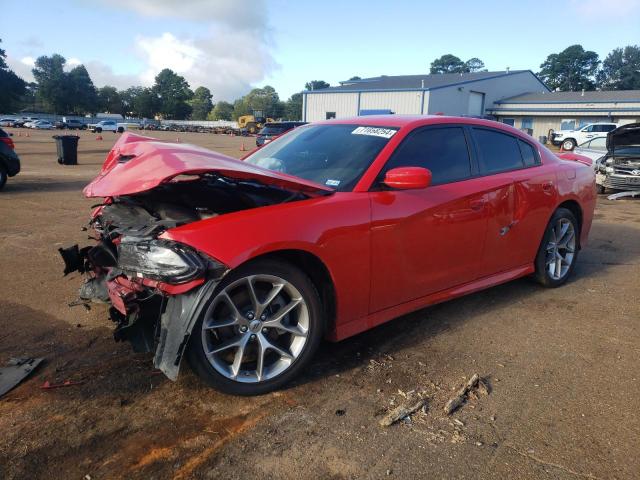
{"x": 594, "y": 148}
{"x": 619, "y": 167}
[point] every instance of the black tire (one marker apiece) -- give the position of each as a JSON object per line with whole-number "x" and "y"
{"x": 542, "y": 275}
{"x": 3, "y": 176}
{"x": 98, "y": 130}
{"x": 601, "y": 189}
{"x": 120, "y": 129}
{"x": 569, "y": 144}
{"x": 203, "y": 368}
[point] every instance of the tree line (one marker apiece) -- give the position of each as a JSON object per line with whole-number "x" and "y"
{"x": 71, "y": 91}
{"x": 572, "y": 69}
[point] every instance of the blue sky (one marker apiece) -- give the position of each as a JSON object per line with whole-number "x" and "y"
{"x": 233, "y": 45}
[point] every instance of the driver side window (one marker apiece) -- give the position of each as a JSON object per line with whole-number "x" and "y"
{"x": 443, "y": 150}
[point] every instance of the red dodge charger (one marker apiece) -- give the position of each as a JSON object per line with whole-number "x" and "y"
{"x": 334, "y": 228}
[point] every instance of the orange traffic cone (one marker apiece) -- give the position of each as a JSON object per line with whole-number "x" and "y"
{"x": 99, "y": 137}
{"x": 177, "y": 139}
{"x": 28, "y": 135}
{"x": 242, "y": 147}
{"x": 19, "y": 134}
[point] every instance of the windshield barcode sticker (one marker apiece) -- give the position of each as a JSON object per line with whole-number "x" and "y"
{"x": 374, "y": 131}
{"x": 332, "y": 183}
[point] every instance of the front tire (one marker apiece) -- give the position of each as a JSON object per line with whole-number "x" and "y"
{"x": 569, "y": 144}
{"x": 259, "y": 330}
{"x": 558, "y": 250}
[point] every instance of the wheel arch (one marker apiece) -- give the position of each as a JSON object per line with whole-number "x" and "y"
{"x": 317, "y": 271}
{"x": 574, "y": 207}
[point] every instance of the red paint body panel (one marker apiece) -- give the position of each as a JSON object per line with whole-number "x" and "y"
{"x": 152, "y": 163}
{"x": 387, "y": 252}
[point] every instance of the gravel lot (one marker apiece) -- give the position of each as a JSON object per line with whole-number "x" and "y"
{"x": 562, "y": 365}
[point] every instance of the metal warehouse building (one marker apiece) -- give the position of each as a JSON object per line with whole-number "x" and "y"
{"x": 450, "y": 94}
{"x": 567, "y": 110}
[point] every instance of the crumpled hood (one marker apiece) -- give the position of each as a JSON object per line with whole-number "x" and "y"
{"x": 136, "y": 164}
{"x": 625, "y": 136}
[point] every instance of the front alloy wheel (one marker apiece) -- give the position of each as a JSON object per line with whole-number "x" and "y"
{"x": 261, "y": 327}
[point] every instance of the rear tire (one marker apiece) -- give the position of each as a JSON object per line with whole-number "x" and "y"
{"x": 558, "y": 251}
{"x": 251, "y": 345}
{"x": 3, "y": 176}
{"x": 98, "y": 130}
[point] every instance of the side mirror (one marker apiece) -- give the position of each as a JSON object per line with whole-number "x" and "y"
{"x": 408, "y": 178}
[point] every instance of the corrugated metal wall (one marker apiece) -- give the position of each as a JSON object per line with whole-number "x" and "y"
{"x": 542, "y": 124}
{"x": 397, "y": 102}
{"x": 318, "y": 104}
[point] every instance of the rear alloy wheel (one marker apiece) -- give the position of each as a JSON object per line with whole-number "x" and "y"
{"x": 262, "y": 326}
{"x": 569, "y": 144}
{"x": 559, "y": 249}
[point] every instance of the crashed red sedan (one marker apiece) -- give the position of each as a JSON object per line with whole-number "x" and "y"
{"x": 334, "y": 228}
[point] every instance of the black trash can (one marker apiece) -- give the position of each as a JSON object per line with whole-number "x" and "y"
{"x": 67, "y": 146}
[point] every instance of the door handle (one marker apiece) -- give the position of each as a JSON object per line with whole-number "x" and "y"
{"x": 477, "y": 205}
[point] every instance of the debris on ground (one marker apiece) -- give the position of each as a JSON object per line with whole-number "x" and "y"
{"x": 17, "y": 369}
{"x": 47, "y": 385}
{"x": 474, "y": 383}
{"x": 412, "y": 405}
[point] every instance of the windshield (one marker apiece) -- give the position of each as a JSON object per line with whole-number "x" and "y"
{"x": 331, "y": 155}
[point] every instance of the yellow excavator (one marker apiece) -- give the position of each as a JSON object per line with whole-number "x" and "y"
{"x": 253, "y": 123}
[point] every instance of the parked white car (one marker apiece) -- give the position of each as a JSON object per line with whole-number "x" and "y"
{"x": 569, "y": 139}
{"x": 107, "y": 126}
{"x": 41, "y": 125}
{"x": 595, "y": 148}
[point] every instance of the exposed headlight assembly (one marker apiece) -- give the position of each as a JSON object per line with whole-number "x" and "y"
{"x": 162, "y": 260}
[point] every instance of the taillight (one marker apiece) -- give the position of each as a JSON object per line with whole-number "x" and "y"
{"x": 8, "y": 142}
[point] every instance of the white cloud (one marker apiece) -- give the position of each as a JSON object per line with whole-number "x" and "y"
{"x": 249, "y": 14}
{"x": 227, "y": 61}
{"x": 233, "y": 54}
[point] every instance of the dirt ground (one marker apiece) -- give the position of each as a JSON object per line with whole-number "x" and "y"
{"x": 563, "y": 367}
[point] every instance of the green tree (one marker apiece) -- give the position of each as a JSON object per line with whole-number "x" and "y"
{"x": 146, "y": 103}
{"x": 316, "y": 85}
{"x": 109, "y": 100}
{"x": 12, "y": 87}
{"x": 52, "y": 82}
{"x": 354, "y": 78}
{"x": 293, "y": 107}
{"x": 222, "y": 111}
{"x": 81, "y": 93}
{"x": 474, "y": 65}
{"x": 173, "y": 94}
{"x": 621, "y": 69}
{"x": 570, "y": 70}
{"x": 201, "y": 103}
{"x": 240, "y": 108}
{"x": 447, "y": 64}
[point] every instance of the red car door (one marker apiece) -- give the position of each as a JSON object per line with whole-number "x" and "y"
{"x": 424, "y": 241}
{"x": 520, "y": 195}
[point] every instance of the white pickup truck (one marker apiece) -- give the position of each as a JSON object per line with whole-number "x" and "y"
{"x": 107, "y": 126}
{"x": 570, "y": 138}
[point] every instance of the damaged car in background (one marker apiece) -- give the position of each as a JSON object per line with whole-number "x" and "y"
{"x": 243, "y": 267}
{"x": 619, "y": 168}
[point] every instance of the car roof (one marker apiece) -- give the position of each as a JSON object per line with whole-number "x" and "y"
{"x": 413, "y": 121}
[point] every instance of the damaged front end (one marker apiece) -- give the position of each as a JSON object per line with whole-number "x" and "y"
{"x": 619, "y": 169}
{"x": 156, "y": 288}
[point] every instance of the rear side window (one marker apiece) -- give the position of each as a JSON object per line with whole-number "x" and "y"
{"x": 498, "y": 152}
{"x": 529, "y": 156}
{"x": 442, "y": 150}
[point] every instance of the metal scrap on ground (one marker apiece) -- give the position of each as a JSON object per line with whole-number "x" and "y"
{"x": 474, "y": 382}
{"x": 16, "y": 370}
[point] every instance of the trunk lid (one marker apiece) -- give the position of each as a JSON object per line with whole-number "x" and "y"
{"x": 137, "y": 164}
